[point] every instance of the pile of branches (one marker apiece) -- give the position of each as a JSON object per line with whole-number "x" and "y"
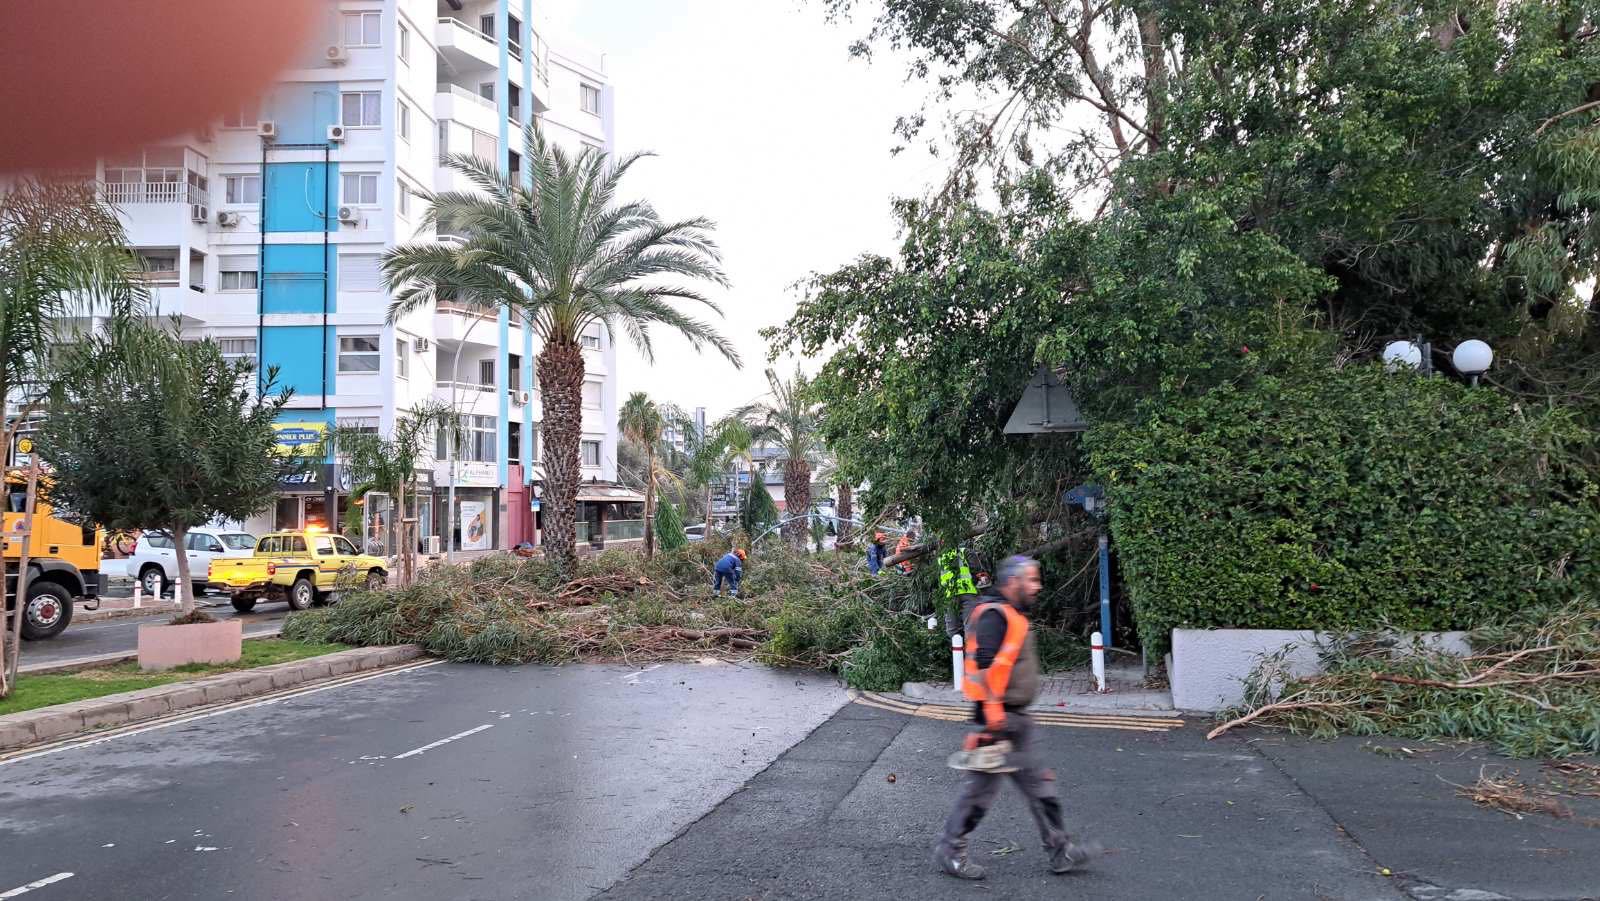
{"x": 1561, "y": 784}
{"x": 1531, "y": 688}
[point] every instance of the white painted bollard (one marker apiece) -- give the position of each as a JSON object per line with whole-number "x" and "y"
{"x": 956, "y": 663}
{"x": 138, "y": 593}
{"x": 1097, "y": 659}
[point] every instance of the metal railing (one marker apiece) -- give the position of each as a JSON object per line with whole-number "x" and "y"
{"x": 120, "y": 192}
{"x": 469, "y": 29}
{"x": 465, "y": 386}
{"x": 456, "y": 90}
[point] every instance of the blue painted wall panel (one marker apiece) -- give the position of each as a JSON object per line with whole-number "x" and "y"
{"x": 303, "y": 112}
{"x": 293, "y": 280}
{"x": 297, "y": 351}
{"x": 302, "y": 197}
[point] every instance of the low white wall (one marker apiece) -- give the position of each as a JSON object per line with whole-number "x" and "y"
{"x": 1208, "y": 667}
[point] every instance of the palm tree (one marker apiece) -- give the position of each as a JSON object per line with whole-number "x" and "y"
{"x": 565, "y": 254}
{"x": 644, "y": 421}
{"x": 711, "y": 452}
{"x": 63, "y": 254}
{"x": 789, "y": 420}
{"x": 389, "y": 466}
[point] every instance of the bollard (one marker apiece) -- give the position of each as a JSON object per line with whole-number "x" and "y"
{"x": 138, "y": 593}
{"x": 1097, "y": 658}
{"x": 955, "y": 660}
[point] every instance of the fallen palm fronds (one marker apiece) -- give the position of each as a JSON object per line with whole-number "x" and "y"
{"x": 1533, "y": 688}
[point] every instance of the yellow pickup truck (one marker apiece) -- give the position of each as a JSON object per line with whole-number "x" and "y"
{"x": 301, "y": 566}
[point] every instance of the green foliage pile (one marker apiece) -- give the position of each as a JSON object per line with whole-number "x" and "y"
{"x": 1345, "y": 499}
{"x": 1531, "y": 688}
{"x": 758, "y": 512}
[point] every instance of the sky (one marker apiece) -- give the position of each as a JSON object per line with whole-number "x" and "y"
{"x": 763, "y": 123}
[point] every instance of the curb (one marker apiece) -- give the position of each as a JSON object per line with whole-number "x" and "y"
{"x": 58, "y": 666}
{"x": 19, "y": 730}
{"x": 150, "y": 608}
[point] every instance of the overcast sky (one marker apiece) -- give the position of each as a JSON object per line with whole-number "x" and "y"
{"x": 763, "y": 123}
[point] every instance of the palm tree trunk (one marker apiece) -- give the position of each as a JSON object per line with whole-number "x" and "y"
{"x": 650, "y": 502}
{"x": 708, "y": 511}
{"x": 846, "y": 512}
{"x": 796, "y": 499}
{"x": 561, "y": 387}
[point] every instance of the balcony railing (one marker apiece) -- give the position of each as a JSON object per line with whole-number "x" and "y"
{"x": 152, "y": 192}
{"x": 464, "y": 386}
{"x": 459, "y": 91}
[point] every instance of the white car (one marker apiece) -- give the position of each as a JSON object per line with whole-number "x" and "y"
{"x": 155, "y": 560}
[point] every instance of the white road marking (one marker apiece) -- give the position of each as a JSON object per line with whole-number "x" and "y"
{"x": 21, "y": 890}
{"x": 443, "y": 741}
{"x": 244, "y": 705}
{"x": 633, "y": 678}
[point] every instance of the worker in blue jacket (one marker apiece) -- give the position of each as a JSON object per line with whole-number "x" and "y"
{"x": 729, "y": 569}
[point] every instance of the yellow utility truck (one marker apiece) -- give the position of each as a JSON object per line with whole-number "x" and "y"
{"x": 301, "y": 567}
{"x": 63, "y": 560}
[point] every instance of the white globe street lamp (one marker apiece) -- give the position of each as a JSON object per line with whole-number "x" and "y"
{"x": 1402, "y": 353}
{"x": 1472, "y": 358}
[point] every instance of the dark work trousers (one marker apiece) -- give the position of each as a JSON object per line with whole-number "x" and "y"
{"x": 1037, "y": 783}
{"x": 731, "y": 578}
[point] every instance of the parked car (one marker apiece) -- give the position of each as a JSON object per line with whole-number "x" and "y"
{"x": 695, "y": 533}
{"x": 301, "y": 567}
{"x": 155, "y": 558}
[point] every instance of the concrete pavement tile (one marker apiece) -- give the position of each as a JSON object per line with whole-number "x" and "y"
{"x": 16, "y": 733}
{"x": 49, "y": 724}
{"x": 220, "y": 688}
{"x": 251, "y": 684}
{"x": 147, "y": 706}
{"x": 112, "y": 713}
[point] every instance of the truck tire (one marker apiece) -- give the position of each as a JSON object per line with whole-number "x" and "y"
{"x": 153, "y": 579}
{"x": 302, "y": 594}
{"x": 48, "y": 611}
{"x": 244, "y": 605}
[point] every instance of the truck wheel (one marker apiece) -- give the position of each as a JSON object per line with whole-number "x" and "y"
{"x": 244, "y": 605}
{"x": 155, "y": 581}
{"x": 302, "y": 594}
{"x": 48, "y": 612}
{"x": 376, "y": 580}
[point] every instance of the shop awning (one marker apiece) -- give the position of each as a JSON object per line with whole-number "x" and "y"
{"x": 604, "y": 492}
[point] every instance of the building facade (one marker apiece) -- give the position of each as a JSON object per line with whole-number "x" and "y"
{"x": 266, "y": 232}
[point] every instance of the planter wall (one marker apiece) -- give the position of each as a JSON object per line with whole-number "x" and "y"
{"x": 164, "y": 647}
{"x": 1208, "y": 667}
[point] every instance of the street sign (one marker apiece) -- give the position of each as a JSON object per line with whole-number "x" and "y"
{"x": 1046, "y": 406}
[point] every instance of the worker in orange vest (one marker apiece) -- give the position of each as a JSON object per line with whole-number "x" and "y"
{"x": 903, "y": 545}
{"x": 1002, "y": 679}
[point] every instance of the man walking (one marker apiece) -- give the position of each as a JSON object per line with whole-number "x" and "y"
{"x": 1002, "y": 678}
{"x": 729, "y": 569}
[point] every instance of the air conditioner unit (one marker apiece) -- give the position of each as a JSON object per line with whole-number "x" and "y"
{"x": 268, "y": 130}
{"x": 199, "y": 213}
{"x": 349, "y": 214}
{"x": 336, "y": 134}
{"x": 434, "y": 545}
{"x": 337, "y": 55}
{"x": 227, "y": 218}
{"x": 420, "y": 345}
{"x": 519, "y": 397}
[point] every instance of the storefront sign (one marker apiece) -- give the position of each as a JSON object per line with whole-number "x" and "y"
{"x": 310, "y": 479}
{"x": 299, "y": 438}
{"x": 477, "y": 475}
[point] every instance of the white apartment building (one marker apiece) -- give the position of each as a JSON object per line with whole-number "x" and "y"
{"x": 265, "y": 231}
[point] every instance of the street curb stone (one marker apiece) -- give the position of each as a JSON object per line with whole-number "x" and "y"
{"x": 18, "y": 730}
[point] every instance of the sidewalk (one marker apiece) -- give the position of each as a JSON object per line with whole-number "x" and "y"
{"x": 1073, "y": 691}
{"x": 853, "y": 812}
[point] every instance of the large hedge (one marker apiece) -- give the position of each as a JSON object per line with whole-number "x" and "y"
{"x": 1347, "y": 498}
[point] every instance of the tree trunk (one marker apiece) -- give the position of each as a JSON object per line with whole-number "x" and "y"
{"x": 846, "y": 511}
{"x": 708, "y": 511}
{"x": 796, "y": 499}
{"x": 650, "y": 502}
{"x": 184, "y": 590}
{"x": 561, "y": 386}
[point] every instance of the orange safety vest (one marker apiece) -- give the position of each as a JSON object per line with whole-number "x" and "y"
{"x": 988, "y": 686}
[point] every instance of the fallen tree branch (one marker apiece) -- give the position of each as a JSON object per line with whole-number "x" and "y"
{"x": 1279, "y": 707}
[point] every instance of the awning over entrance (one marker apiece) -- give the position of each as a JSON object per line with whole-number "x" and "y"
{"x": 608, "y": 492}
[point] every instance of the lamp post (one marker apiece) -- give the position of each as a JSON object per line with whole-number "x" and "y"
{"x": 1471, "y": 358}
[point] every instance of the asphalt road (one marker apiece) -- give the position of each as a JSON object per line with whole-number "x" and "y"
{"x": 88, "y": 639}
{"x": 446, "y": 781}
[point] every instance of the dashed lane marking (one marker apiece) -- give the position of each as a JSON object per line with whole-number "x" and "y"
{"x": 953, "y": 714}
{"x": 443, "y": 741}
{"x": 21, "y": 890}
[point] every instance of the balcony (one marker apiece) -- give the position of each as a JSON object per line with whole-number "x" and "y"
{"x": 465, "y": 48}
{"x": 124, "y": 193}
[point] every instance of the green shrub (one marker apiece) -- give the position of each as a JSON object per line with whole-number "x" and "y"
{"x": 669, "y": 526}
{"x": 1344, "y": 499}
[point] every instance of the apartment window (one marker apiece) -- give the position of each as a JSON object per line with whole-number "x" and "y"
{"x": 402, "y": 359}
{"x": 514, "y": 93}
{"x": 477, "y": 440}
{"x": 242, "y": 188}
{"x": 591, "y": 395}
{"x": 405, "y": 44}
{"x": 591, "y": 453}
{"x": 486, "y": 25}
{"x": 361, "y": 109}
{"x": 405, "y": 121}
{"x": 591, "y": 340}
{"x": 359, "y": 272}
{"x": 359, "y": 188}
{"x": 358, "y": 353}
{"x": 363, "y": 29}
{"x": 486, "y": 91}
{"x": 486, "y": 373}
{"x": 514, "y": 36}
{"x": 404, "y": 202}
{"x": 366, "y": 425}
{"x": 246, "y": 116}
{"x": 589, "y": 98}
{"x": 485, "y": 146}
{"x": 160, "y": 266}
{"x": 238, "y": 274}
{"x": 444, "y": 137}
{"x": 236, "y": 349}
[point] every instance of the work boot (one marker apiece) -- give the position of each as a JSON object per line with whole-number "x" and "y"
{"x": 955, "y": 863}
{"x": 1071, "y": 855}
